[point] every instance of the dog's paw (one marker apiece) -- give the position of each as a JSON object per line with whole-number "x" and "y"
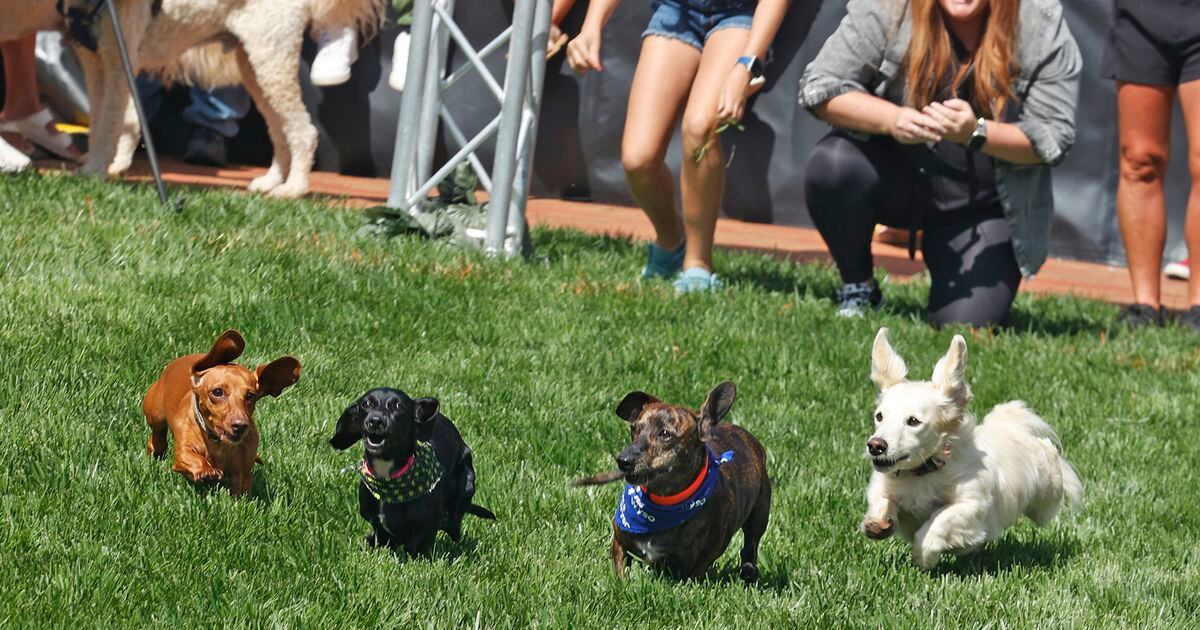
{"x": 926, "y": 562}
{"x": 288, "y": 191}
{"x": 878, "y": 528}
{"x": 749, "y": 573}
{"x": 92, "y": 168}
{"x": 208, "y": 475}
{"x": 265, "y": 183}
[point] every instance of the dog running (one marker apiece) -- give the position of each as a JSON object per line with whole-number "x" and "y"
{"x": 417, "y": 474}
{"x": 691, "y": 481}
{"x": 943, "y": 483}
{"x": 207, "y": 402}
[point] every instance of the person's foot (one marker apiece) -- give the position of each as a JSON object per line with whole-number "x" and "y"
{"x": 1191, "y": 318}
{"x": 12, "y": 160}
{"x": 856, "y": 298}
{"x": 206, "y": 148}
{"x": 662, "y": 263}
{"x": 399, "y": 73}
{"x": 1178, "y": 270}
{"x": 39, "y": 128}
{"x": 1141, "y": 316}
{"x": 697, "y": 280}
{"x": 337, "y": 50}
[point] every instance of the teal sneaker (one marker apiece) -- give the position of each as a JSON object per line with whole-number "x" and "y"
{"x": 662, "y": 263}
{"x": 697, "y": 279}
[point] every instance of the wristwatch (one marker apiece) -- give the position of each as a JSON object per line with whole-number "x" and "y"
{"x": 979, "y": 136}
{"x": 753, "y": 65}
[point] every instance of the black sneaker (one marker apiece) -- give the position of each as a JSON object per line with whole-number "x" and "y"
{"x": 1191, "y": 319}
{"x": 856, "y": 298}
{"x": 206, "y": 148}
{"x": 1141, "y": 315}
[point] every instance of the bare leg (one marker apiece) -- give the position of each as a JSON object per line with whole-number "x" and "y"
{"x": 703, "y": 181}
{"x": 618, "y": 557}
{"x": 1144, "y": 119}
{"x": 664, "y": 74}
{"x": 1189, "y": 97}
{"x": 20, "y": 79}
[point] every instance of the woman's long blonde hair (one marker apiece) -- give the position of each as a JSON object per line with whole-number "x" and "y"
{"x": 931, "y": 57}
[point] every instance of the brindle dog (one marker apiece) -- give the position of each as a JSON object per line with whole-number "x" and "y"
{"x": 670, "y": 445}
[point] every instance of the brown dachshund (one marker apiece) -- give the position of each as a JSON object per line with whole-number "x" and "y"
{"x": 208, "y": 403}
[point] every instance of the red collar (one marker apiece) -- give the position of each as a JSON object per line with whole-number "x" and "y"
{"x": 395, "y": 473}
{"x": 687, "y": 492}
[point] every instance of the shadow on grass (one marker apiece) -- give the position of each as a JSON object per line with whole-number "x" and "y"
{"x": 1006, "y": 555}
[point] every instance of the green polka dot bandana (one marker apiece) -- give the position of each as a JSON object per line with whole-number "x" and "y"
{"x": 414, "y": 480}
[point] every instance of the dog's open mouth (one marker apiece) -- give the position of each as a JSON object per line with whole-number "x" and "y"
{"x": 882, "y": 463}
{"x": 374, "y": 441}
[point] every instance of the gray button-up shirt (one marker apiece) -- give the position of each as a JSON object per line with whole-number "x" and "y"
{"x": 867, "y": 52}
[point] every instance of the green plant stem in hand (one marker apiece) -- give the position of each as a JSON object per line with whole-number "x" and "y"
{"x": 702, "y": 150}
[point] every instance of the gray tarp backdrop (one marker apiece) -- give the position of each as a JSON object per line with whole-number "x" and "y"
{"x": 578, "y": 151}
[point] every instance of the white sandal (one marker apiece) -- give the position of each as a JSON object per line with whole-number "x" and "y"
{"x": 12, "y": 160}
{"x": 37, "y": 128}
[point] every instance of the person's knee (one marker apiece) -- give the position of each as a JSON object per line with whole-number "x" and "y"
{"x": 833, "y": 172}
{"x": 697, "y": 128}
{"x": 1143, "y": 163}
{"x": 640, "y": 160}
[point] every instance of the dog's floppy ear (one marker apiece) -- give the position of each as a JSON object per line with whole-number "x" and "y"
{"x": 887, "y": 368}
{"x": 278, "y": 375}
{"x": 716, "y": 406}
{"x": 425, "y": 411}
{"x": 349, "y": 427}
{"x": 950, "y": 373}
{"x": 225, "y": 350}
{"x": 631, "y": 405}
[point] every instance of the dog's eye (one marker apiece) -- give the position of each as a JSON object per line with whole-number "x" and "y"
{"x": 878, "y": 416}
{"x": 250, "y": 396}
{"x": 217, "y": 392}
{"x": 912, "y": 421}
{"x": 368, "y": 403}
{"x": 665, "y": 435}
{"x": 392, "y": 404}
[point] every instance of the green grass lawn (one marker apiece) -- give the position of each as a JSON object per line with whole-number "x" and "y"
{"x": 99, "y": 288}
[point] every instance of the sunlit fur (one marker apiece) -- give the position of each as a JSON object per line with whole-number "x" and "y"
{"x": 931, "y": 57}
{"x": 995, "y": 472}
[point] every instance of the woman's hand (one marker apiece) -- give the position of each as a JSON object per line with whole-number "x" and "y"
{"x": 583, "y": 53}
{"x": 732, "y": 104}
{"x": 956, "y": 117}
{"x": 910, "y": 126}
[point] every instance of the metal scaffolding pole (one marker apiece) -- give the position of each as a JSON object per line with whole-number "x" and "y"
{"x": 514, "y": 127}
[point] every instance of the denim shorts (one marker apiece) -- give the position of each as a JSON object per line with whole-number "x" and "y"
{"x": 693, "y": 21}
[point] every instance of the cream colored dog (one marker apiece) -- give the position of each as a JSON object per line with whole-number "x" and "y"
{"x": 943, "y": 483}
{"x": 213, "y": 43}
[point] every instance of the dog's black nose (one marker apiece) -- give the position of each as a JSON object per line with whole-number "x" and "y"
{"x": 374, "y": 424}
{"x": 239, "y": 426}
{"x": 625, "y": 461}
{"x": 876, "y": 446}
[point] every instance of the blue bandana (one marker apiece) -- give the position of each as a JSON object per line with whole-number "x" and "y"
{"x": 638, "y": 514}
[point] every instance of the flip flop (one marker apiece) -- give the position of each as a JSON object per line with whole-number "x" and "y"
{"x": 12, "y": 160}
{"x": 38, "y": 128}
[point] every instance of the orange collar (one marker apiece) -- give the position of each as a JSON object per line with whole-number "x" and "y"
{"x": 687, "y": 492}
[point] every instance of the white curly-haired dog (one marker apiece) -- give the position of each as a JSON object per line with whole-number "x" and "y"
{"x": 942, "y": 482}
{"x": 255, "y": 43}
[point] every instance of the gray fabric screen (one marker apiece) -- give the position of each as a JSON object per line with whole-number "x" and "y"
{"x": 578, "y": 152}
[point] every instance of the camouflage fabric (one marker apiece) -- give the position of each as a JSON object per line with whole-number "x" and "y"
{"x": 454, "y": 216}
{"x": 404, "y": 11}
{"x": 405, "y": 485}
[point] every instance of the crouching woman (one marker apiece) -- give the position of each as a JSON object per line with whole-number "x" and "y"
{"x": 948, "y": 115}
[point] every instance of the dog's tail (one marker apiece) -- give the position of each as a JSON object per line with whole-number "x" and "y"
{"x": 364, "y": 16}
{"x": 209, "y": 65}
{"x": 481, "y": 512}
{"x": 1072, "y": 486}
{"x": 598, "y": 480}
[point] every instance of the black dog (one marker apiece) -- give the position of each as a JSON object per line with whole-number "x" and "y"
{"x": 417, "y": 475}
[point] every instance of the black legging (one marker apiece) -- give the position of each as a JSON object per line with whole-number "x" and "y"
{"x": 853, "y": 184}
